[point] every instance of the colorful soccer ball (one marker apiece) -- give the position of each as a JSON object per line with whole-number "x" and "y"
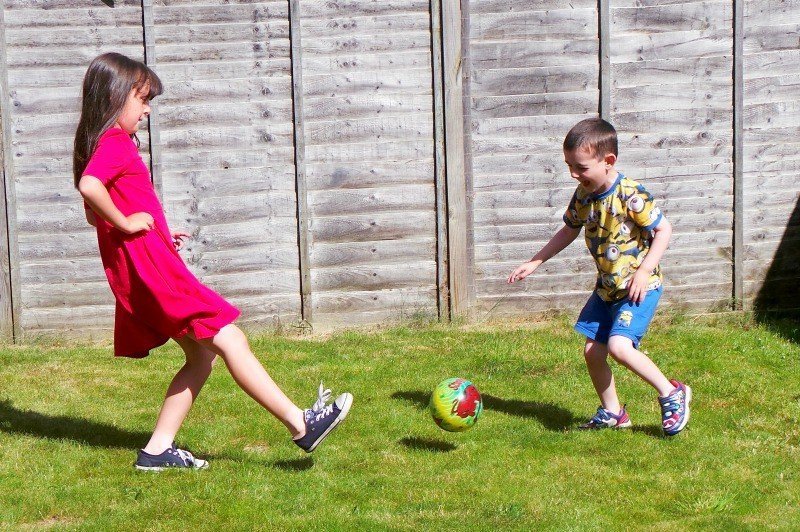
{"x": 456, "y": 405}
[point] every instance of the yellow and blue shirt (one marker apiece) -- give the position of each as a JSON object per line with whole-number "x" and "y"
{"x": 619, "y": 227}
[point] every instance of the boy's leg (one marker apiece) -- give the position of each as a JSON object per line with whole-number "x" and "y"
{"x": 630, "y": 323}
{"x": 623, "y": 351}
{"x": 182, "y": 392}
{"x": 231, "y": 344}
{"x": 596, "y": 355}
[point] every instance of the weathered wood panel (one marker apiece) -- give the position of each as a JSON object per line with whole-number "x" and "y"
{"x": 771, "y": 155}
{"x": 671, "y": 103}
{"x": 49, "y": 45}
{"x": 529, "y": 83}
{"x": 350, "y": 90}
{"x": 227, "y": 148}
{"x": 369, "y": 149}
{"x": 9, "y": 249}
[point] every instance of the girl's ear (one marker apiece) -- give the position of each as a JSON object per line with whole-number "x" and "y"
{"x": 609, "y": 160}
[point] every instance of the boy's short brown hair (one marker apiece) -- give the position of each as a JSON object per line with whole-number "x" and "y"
{"x": 594, "y": 133}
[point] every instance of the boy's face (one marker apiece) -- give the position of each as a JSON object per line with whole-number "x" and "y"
{"x": 595, "y": 174}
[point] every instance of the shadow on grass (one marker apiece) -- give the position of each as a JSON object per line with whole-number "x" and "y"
{"x": 552, "y": 416}
{"x": 31, "y": 423}
{"x": 427, "y": 444}
{"x": 295, "y": 464}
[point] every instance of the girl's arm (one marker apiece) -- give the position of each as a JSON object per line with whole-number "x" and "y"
{"x": 637, "y": 287}
{"x": 560, "y": 240}
{"x": 90, "y": 219}
{"x": 96, "y": 195}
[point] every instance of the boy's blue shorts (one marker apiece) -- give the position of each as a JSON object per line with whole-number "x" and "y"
{"x": 600, "y": 320}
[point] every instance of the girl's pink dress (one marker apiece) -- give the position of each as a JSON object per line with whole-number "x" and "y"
{"x": 158, "y": 298}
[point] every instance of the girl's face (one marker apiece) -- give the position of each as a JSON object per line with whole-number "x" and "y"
{"x": 137, "y": 106}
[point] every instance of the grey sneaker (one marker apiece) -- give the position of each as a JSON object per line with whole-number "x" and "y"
{"x": 172, "y": 458}
{"x": 322, "y": 418}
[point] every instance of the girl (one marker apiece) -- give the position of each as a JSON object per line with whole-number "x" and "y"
{"x": 157, "y": 297}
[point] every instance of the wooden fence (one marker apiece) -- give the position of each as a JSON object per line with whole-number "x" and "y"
{"x": 341, "y": 162}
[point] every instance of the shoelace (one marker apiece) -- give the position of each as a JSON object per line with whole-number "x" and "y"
{"x": 319, "y": 409}
{"x": 323, "y": 395}
{"x": 186, "y": 456}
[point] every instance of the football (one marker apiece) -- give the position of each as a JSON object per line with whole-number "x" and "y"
{"x": 455, "y": 405}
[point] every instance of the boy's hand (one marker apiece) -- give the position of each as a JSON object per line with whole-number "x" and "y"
{"x": 138, "y": 221}
{"x": 177, "y": 238}
{"x": 523, "y": 271}
{"x": 637, "y": 288}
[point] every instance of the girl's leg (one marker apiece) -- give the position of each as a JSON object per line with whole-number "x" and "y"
{"x": 231, "y": 344}
{"x": 181, "y": 394}
{"x": 596, "y": 354}
{"x": 621, "y": 348}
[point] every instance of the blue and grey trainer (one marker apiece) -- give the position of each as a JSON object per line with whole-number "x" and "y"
{"x": 322, "y": 418}
{"x": 675, "y": 408}
{"x": 606, "y": 419}
{"x": 172, "y": 458}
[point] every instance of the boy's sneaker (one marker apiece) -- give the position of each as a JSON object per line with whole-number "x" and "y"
{"x": 675, "y": 408}
{"x": 606, "y": 419}
{"x": 322, "y": 418}
{"x": 172, "y": 458}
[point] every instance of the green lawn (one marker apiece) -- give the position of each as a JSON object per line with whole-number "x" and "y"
{"x": 71, "y": 419}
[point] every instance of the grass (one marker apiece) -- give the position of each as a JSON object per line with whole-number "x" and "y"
{"x": 71, "y": 419}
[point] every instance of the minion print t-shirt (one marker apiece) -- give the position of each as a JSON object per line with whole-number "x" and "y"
{"x": 618, "y": 229}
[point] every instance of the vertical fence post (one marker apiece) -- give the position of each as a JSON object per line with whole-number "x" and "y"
{"x": 458, "y": 217}
{"x": 153, "y": 126}
{"x": 604, "y": 38}
{"x": 9, "y": 253}
{"x": 738, "y": 156}
{"x": 296, "y": 59}
{"x": 442, "y": 282}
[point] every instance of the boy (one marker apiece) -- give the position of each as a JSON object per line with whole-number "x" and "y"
{"x": 626, "y": 235}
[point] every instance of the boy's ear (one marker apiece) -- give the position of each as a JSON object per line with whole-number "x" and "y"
{"x": 610, "y": 159}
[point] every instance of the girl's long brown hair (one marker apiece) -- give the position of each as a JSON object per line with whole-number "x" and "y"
{"x": 108, "y": 81}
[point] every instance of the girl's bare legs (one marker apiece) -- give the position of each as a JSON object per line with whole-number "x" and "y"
{"x": 231, "y": 344}
{"x": 596, "y": 355}
{"x": 621, "y": 348}
{"x": 182, "y": 392}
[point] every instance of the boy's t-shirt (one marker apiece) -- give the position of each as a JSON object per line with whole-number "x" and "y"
{"x": 618, "y": 230}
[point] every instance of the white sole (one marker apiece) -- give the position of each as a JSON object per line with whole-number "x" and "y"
{"x": 157, "y": 469}
{"x": 348, "y": 402}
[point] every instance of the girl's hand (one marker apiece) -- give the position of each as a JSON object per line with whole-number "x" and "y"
{"x": 177, "y": 239}
{"x": 138, "y": 221}
{"x": 523, "y": 271}
{"x": 637, "y": 287}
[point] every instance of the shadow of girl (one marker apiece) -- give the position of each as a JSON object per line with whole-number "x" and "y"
{"x": 31, "y": 423}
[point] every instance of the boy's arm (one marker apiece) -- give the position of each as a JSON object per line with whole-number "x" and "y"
{"x": 638, "y": 284}
{"x": 97, "y": 197}
{"x": 558, "y": 242}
